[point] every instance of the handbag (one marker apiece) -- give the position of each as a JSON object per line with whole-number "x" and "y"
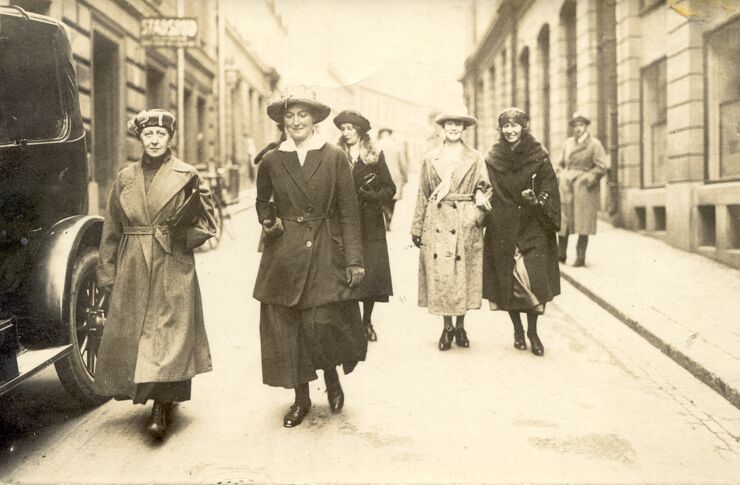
{"x": 188, "y": 213}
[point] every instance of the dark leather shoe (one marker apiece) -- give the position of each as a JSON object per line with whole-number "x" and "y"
{"x": 158, "y": 421}
{"x": 370, "y": 333}
{"x": 537, "y": 348}
{"x": 461, "y": 337}
{"x": 295, "y": 414}
{"x": 445, "y": 341}
{"x": 519, "y": 341}
{"x": 336, "y": 397}
{"x": 579, "y": 262}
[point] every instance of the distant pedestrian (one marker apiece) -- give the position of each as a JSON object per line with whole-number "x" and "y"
{"x": 312, "y": 257}
{"x": 375, "y": 188}
{"x": 520, "y": 271}
{"x": 450, "y": 207}
{"x": 159, "y": 210}
{"x": 581, "y": 166}
{"x": 398, "y": 165}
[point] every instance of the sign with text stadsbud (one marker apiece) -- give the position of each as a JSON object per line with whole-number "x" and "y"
{"x": 168, "y": 31}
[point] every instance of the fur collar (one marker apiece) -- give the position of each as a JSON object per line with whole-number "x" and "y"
{"x": 503, "y": 159}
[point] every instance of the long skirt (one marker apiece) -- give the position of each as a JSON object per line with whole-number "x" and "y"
{"x": 523, "y": 299}
{"x": 297, "y": 342}
{"x": 175, "y": 391}
{"x": 377, "y": 284}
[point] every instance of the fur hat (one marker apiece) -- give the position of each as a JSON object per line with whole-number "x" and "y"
{"x": 361, "y": 123}
{"x": 152, "y": 117}
{"x": 298, "y": 95}
{"x": 513, "y": 115}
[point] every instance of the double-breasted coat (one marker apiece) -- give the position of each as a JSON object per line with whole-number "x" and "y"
{"x": 451, "y": 231}
{"x": 305, "y": 266}
{"x": 377, "y": 284}
{"x": 155, "y": 330}
{"x": 581, "y": 165}
{"x": 512, "y": 223}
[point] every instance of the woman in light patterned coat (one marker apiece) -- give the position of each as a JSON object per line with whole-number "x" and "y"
{"x": 451, "y": 205}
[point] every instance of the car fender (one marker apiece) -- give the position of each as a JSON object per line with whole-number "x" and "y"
{"x": 49, "y": 279}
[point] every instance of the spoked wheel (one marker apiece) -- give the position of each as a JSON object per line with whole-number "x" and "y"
{"x": 85, "y": 323}
{"x": 218, "y": 214}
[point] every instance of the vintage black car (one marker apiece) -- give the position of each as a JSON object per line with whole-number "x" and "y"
{"x": 50, "y": 308}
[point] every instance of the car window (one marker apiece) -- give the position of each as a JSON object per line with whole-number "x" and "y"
{"x": 31, "y": 107}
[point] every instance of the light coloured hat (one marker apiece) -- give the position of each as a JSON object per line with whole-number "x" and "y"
{"x": 578, "y": 117}
{"x": 298, "y": 95}
{"x": 455, "y": 116}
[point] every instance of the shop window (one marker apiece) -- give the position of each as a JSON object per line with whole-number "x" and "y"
{"x": 707, "y": 225}
{"x": 733, "y": 226}
{"x": 659, "y": 222}
{"x": 654, "y": 116}
{"x": 640, "y": 214}
{"x": 723, "y": 102}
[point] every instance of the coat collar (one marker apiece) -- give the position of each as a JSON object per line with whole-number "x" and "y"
{"x": 463, "y": 166}
{"x": 315, "y": 142}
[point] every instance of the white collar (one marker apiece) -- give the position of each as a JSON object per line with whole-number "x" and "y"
{"x": 582, "y": 138}
{"x": 315, "y": 142}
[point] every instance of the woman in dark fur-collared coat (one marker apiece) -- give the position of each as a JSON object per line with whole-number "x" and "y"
{"x": 520, "y": 268}
{"x": 375, "y": 188}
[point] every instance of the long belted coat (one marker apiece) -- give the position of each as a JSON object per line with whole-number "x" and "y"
{"x": 581, "y": 166}
{"x": 451, "y": 231}
{"x": 305, "y": 266}
{"x": 154, "y": 330}
{"x": 513, "y": 223}
{"x": 377, "y": 284}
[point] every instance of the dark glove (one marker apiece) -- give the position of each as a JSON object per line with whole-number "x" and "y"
{"x": 368, "y": 193}
{"x": 529, "y": 197}
{"x": 355, "y": 275}
{"x": 416, "y": 240}
{"x": 273, "y": 228}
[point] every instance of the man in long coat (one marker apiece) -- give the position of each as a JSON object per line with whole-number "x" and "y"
{"x": 581, "y": 166}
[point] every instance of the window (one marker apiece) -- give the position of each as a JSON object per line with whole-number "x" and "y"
{"x": 654, "y": 134}
{"x": 492, "y": 91}
{"x": 568, "y": 23}
{"x": 723, "y": 102}
{"x": 523, "y": 97}
{"x": 478, "y": 111}
{"x": 156, "y": 89}
{"x": 543, "y": 44}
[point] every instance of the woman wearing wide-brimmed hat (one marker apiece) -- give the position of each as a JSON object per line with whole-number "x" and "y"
{"x": 374, "y": 187}
{"x": 520, "y": 268}
{"x": 312, "y": 258}
{"x": 159, "y": 210}
{"x": 451, "y": 205}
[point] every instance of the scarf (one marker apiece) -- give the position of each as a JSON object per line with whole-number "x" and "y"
{"x": 503, "y": 159}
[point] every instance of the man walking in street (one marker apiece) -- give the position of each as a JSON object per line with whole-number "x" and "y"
{"x": 581, "y": 166}
{"x": 395, "y": 158}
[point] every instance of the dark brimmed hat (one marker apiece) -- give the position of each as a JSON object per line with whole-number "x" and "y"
{"x": 578, "y": 117}
{"x": 361, "y": 123}
{"x": 513, "y": 115}
{"x": 385, "y": 129}
{"x": 298, "y": 95}
{"x": 462, "y": 118}
{"x": 152, "y": 117}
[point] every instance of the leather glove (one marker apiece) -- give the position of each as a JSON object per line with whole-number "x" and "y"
{"x": 355, "y": 275}
{"x": 529, "y": 197}
{"x": 416, "y": 240}
{"x": 273, "y": 228}
{"x": 368, "y": 194}
{"x": 482, "y": 202}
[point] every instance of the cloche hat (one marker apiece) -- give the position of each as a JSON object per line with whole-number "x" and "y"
{"x": 348, "y": 116}
{"x": 297, "y": 95}
{"x": 152, "y": 117}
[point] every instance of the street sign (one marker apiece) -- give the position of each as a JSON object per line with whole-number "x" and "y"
{"x": 168, "y": 31}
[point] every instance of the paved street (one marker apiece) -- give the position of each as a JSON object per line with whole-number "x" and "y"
{"x": 603, "y": 405}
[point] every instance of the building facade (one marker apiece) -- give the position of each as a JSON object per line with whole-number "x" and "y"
{"x": 659, "y": 81}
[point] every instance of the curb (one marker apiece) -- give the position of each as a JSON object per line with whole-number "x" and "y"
{"x": 695, "y": 368}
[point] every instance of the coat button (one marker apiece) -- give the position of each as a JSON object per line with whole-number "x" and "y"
{"x": 438, "y": 230}
{"x": 309, "y": 244}
{"x": 300, "y": 219}
{"x": 435, "y": 255}
{"x": 439, "y": 205}
{"x": 454, "y": 206}
{"x": 453, "y": 231}
{"x": 457, "y": 258}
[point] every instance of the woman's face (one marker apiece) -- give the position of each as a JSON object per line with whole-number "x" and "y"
{"x": 298, "y": 121}
{"x": 453, "y": 130}
{"x": 512, "y": 132}
{"x": 155, "y": 140}
{"x": 349, "y": 133}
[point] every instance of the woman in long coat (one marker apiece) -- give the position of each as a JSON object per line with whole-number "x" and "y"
{"x": 375, "y": 188}
{"x": 155, "y": 339}
{"x": 451, "y": 204}
{"x": 520, "y": 271}
{"x": 312, "y": 258}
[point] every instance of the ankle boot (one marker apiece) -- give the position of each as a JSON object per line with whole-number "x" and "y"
{"x": 370, "y": 332}
{"x": 445, "y": 340}
{"x": 562, "y": 248}
{"x": 581, "y": 251}
{"x": 537, "y": 348}
{"x": 158, "y": 420}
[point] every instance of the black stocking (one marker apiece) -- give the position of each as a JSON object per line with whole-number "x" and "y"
{"x": 516, "y": 319}
{"x": 367, "y": 312}
{"x": 302, "y": 395}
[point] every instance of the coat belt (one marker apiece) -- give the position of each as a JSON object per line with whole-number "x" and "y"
{"x": 459, "y": 197}
{"x": 308, "y": 218}
{"x": 144, "y": 230}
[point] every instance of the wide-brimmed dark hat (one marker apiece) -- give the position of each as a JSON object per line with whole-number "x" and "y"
{"x": 152, "y": 117}
{"x": 361, "y": 123}
{"x": 462, "y": 118}
{"x": 298, "y": 95}
{"x": 578, "y": 117}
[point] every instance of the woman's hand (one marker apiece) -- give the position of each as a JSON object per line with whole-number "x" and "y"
{"x": 368, "y": 194}
{"x": 273, "y": 227}
{"x": 529, "y": 197}
{"x": 416, "y": 240}
{"x": 482, "y": 202}
{"x": 355, "y": 275}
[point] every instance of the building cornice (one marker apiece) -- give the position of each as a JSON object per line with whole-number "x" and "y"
{"x": 497, "y": 30}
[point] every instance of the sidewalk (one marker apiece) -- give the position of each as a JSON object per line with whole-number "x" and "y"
{"x": 246, "y": 200}
{"x": 684, "y": 304}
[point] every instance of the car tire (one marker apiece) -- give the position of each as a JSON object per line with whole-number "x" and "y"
{"x": 76, "y": 371}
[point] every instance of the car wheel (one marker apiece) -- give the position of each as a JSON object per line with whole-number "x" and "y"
{"x": 84, "y": 325}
